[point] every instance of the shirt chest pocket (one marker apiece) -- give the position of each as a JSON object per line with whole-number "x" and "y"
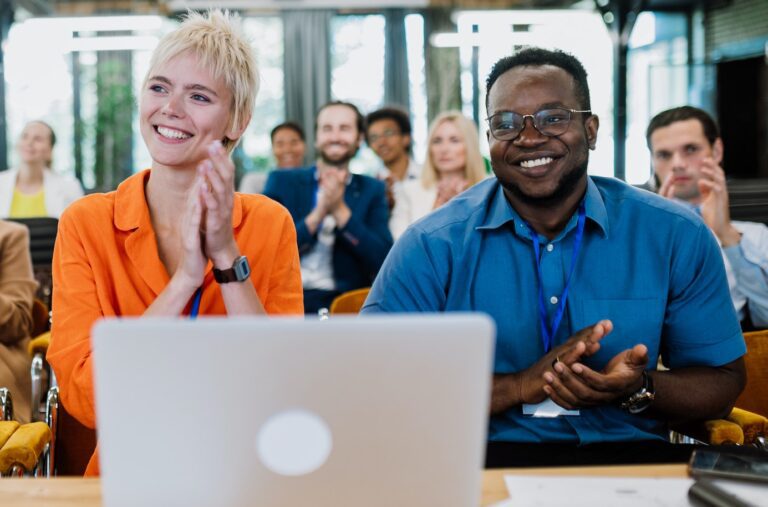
{"x": 635, "y": 321}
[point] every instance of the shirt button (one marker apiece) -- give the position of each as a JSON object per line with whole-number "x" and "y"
{"x": 553, "y": 300}
{"x": 550, "y": 247}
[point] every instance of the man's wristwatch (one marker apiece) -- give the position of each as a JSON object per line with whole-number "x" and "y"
{"x": 642, "y": 398}
{"x": 239, "y": 272}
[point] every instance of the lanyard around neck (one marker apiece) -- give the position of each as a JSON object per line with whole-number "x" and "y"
{"x": 196, "y": 304}
{"x": 548, "y": 333}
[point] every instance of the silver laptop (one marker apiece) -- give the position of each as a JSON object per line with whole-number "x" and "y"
{"x": 352, "y": 411}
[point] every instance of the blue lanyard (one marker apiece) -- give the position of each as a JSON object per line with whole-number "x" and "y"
{"x": 547, "y": 333}
{"x": 196, "y": 304}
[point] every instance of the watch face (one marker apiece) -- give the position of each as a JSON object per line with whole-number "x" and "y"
{"x": 641, "y": 403}
{"x": 239, "y": 271}
{"x": 242, "y": 269}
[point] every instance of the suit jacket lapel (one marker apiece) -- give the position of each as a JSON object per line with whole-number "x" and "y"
{"x": 352, "y": 192}
{"x": 307, "y": 192}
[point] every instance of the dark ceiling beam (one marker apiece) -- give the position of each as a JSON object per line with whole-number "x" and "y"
{"x": 620, "y": 16}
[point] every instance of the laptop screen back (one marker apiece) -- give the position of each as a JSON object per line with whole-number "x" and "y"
{"x": 375, "y": 411}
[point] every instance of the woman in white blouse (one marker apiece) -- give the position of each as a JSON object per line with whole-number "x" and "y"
{"x": 32, "y": 189}
{"x": 453, "y": 164}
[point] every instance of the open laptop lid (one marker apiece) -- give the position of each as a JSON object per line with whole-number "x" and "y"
{"x": 375, "y": 411}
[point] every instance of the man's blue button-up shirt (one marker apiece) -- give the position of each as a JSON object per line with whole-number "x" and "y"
{"x": 645, "y": 263}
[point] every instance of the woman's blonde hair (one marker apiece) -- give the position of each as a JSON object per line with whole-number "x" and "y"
{"x": 474, "y": 170}
{"x": 216, "y": 37}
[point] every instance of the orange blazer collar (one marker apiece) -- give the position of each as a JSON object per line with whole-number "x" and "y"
{"x": 132, "y": 212}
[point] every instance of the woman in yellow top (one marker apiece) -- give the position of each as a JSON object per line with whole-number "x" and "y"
{"x": 32, "y": 189}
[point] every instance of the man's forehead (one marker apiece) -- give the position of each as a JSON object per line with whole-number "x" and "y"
{"x": 679, "y": 133}
{"x": 543, "y": 80}
{"x": 384, "y": 123}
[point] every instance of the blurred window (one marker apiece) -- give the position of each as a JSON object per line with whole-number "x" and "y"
{"x": 357, "y": 75}
{"x": 52, "y": 71}
{"x": 357, "y": 70}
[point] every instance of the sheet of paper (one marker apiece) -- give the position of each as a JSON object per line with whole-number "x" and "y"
{"x": 547, "y": 408}
{"x": 544, "y": 491}
{"x": 530, "y": 491}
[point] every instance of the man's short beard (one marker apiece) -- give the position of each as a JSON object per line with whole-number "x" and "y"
{"x": 565, "y": 187}
{"x": 341, "y": 162}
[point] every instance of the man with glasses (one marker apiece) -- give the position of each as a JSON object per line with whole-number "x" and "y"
{"x": 388, "y": 133}
{"x": 686, "y": 151}
{"x": 589, "y": 282}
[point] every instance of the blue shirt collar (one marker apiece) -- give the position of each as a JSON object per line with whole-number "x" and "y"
{"x": 500, "y": 212}
{"x": 595, "y": 207}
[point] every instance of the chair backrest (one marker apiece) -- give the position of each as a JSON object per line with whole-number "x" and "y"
{"x": 755, "y": 395}
{"x": 748, "y": 200}
{"x": 42, "y": 237}
{"x": 349, "y": 302}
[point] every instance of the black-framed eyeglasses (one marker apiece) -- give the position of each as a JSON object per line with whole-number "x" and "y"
{"x": 507, "y": 125}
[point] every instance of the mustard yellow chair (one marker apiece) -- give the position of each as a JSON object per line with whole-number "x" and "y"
{"x": 21, "y": 448}
{"x": 71, "y": 444}
{"x": 755, "y": 395}
{"x": 751, "y": 410}
{"x": 33, "y": 451}
{"x": 349, "y": 302}
{"x": 65, "y": 451}
{"x": 25, "y": 449}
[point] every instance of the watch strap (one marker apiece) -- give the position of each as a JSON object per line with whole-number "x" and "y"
{"x": 240, "y": 271}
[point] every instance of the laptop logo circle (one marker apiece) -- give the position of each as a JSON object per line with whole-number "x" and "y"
{"x": 294, "y": 442}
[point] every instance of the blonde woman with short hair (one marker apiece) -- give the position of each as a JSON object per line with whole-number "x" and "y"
{"x": 175, "y": 239}
{"x": 453, "y": 164}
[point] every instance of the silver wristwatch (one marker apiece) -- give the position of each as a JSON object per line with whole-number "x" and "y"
{"x": 642, "y": 398}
